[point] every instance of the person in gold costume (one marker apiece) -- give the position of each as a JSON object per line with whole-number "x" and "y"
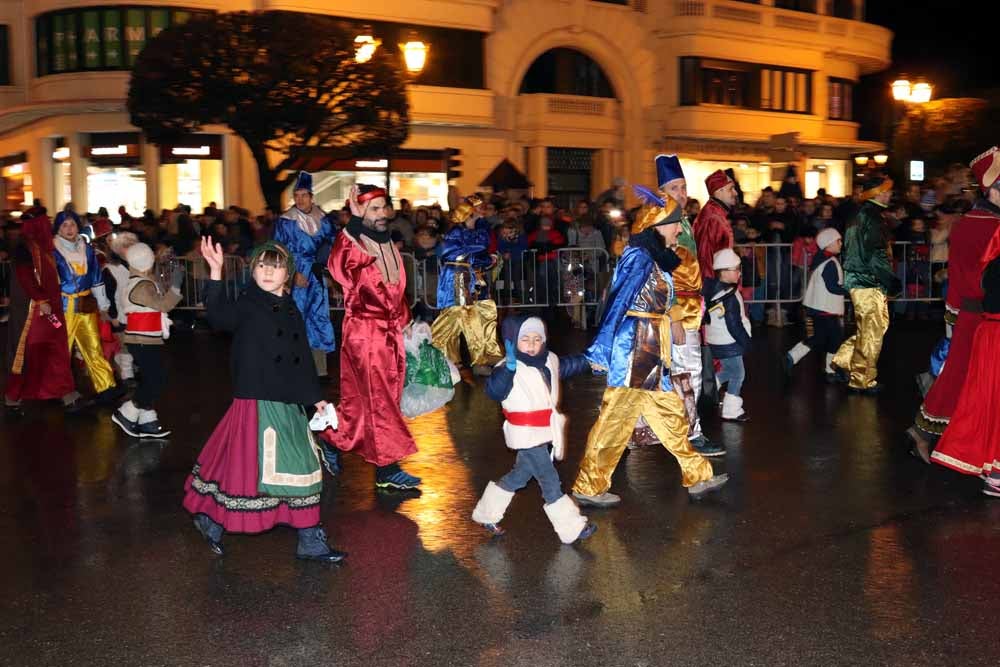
{"x": 463, "y": 294}
{"x": 688, "y": 310}
{"x": 633, "y": 345}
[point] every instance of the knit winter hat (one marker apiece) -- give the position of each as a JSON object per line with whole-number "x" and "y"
{"x": 826, "y": 237}
{"x": 532, "y": 325}
{"x": 140, "y": 257}
{"x": 725, "y": 259}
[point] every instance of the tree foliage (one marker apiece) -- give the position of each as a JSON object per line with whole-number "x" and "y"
{"x": 945, "y": 131}
{"x": 285, "y": 82}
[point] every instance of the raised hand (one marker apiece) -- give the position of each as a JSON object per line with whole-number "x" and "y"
{"x": 511, "y": 355}
{"x": 352, "y": 200}
{"x": 214, "y": 256}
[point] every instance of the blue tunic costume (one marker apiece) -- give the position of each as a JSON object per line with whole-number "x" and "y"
{"x": 461, "y": 246}
{"x": 312, "y": 300}
{"x": 613, "y": 346}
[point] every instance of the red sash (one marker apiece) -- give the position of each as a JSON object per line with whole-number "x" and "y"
{"x": 534, "y": 418}
{"x": 145, "y": 323}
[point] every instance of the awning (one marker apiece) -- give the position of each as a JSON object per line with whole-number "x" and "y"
{"x": 506, "y": 176}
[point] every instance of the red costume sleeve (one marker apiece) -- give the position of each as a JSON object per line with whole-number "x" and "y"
{"x": 26, "y": 279}
{"x": 346, "y": 262}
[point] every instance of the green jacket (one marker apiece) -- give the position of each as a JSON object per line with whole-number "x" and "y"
{"x": 866, "y": 257}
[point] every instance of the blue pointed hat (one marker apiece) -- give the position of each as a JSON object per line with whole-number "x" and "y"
{"x": 668, "y": 168}
{"x": 304, "y": 182}
{"x": 61, "y": 218}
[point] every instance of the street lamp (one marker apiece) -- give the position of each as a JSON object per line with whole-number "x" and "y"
{"x": 415, "y": 55}
{"x": 881, "y": 159}
{"x": 921, "y": 93}
{"x": 914, "y": 93}
{"x": 365, "y": 45}
{"x": 861, "y": 160}
{"x": 901, "y": 90}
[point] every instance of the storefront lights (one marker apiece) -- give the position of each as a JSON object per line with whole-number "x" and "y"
{"x": 415, "y": 55}
{"x": 881, "y": 158}
{"x": 14, "y": 170}
{"x": 364, "y": 47}
{"x": 371, "y": 164}
{"x": 61, "y": 153}
{"x": 861, "y": 160}
{"x": 120, "y": 149}
{"x": 181, "y": 151}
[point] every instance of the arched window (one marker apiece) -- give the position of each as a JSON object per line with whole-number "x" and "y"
{"x": 566, "y": 72}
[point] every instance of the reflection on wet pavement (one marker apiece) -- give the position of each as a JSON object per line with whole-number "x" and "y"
{"x": 830, "y": 545}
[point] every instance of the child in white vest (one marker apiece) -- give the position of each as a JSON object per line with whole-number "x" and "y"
{"x": 146, "y": 327}
{"x": 728, "y": 331}
{"x": 526, "y": 383}
{"x": 824, "y": 302}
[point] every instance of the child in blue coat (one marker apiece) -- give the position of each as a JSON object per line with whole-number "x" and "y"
{"x": 526, "y": 383}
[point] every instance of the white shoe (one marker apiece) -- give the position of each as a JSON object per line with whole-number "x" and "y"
{"x": 707, "y": 486}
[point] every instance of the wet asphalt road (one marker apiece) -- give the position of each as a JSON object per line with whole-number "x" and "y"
{"x": 830, "y": 546}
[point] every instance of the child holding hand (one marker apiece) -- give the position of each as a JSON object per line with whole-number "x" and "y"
{"x": 526, "y": 383}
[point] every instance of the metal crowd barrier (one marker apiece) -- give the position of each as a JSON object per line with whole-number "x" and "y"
{"x": 577, "y": 278}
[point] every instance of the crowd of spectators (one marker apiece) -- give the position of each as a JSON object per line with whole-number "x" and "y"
{"x": 533, "y": 230}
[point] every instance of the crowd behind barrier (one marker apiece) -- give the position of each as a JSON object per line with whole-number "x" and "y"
{"x": 774, "y": 274}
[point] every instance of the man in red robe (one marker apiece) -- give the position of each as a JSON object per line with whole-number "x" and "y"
{"x": 40, "y": 364}
{"x": 372, "y": 359}
{"x": 963, "y": 305}
{"x": 712, "y": 229}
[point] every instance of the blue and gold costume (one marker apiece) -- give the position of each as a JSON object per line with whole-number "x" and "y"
{"x": 304, "y": 234}
{"x": 633, "y": 345}
{"x": 463, "y": 294}
{"x": 83, "y": 295}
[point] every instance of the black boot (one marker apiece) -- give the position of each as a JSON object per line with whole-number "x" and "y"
{"x": 313, "y": 546}
{"x": 330, "y": 458}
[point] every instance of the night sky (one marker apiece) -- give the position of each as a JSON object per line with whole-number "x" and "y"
{"x": 936, "y": 40}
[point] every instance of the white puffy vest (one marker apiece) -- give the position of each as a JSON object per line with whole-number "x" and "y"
{"x": 143, "y": 320}
{"x": 530, "y": 394}
{"x": 818, "y": 297}
{"x": 717, "y": 333}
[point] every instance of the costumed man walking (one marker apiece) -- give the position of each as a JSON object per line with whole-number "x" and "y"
{"x": 633, "y": 344}
{"x": 304, "y": 229}
{"x": 712, "y": 229}
{"x": 370, "y": 270}
{"x": 40, "y": 363}
{"x": 869, "y": 278}
{"x": 463, "y": 294}
{"x": 963, "y": 303}
{"x": 83, "y": 297}
{"x": 688, "y": 308}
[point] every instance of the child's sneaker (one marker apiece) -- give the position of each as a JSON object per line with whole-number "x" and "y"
{"x": 494, "y": 528}
{"x": 700, "y": 489}
{"x": 587, "y": 531}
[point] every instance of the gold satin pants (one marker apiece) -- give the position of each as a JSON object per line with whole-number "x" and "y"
{"x": 859, "y": 354}
{"x": 620, "y": 408}
{"x": 82, "y": 330}
{"x": 478, "y": 323}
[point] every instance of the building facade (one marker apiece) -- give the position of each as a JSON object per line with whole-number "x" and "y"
{"x": 573, "y": 92}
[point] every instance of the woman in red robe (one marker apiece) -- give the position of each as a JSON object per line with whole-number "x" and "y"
{"x": 40, "y": 364}
{"x": 372, "y": 359}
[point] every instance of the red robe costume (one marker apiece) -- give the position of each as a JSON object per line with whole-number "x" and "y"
{"x": 40, "y": 365}
{"x": 968, "y": 237}
{"x": 712, "y": 233}
{"x": 372, "y": 357}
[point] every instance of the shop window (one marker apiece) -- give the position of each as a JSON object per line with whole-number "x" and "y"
{"x": 114, "y": 186}
{"x": 99, "y": 38}
{"x": 566, "y": 72}
{"x": 745, "y": 85}
{"x": 4, "y": 55}
{"x": 840, "y": 96}
{"x": 569, "y": 171}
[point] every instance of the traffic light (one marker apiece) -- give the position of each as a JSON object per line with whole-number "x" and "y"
{"x": 454, "y": 163}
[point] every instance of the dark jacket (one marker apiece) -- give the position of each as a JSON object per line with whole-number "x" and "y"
{"x": 270, "y": 358}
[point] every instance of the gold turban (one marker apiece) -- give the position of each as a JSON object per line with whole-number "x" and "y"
{"x": 651, "y": 216}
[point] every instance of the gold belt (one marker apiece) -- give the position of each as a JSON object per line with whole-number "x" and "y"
{"x": 665, "y": 342}
{"x": 85, "y": 292}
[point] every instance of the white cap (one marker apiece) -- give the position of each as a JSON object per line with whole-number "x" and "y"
{"x": 530, "y": 326}
{"x": 725, "y": 259}
{"x": 827, "y": 236}
{"x": 140, "y": 257}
